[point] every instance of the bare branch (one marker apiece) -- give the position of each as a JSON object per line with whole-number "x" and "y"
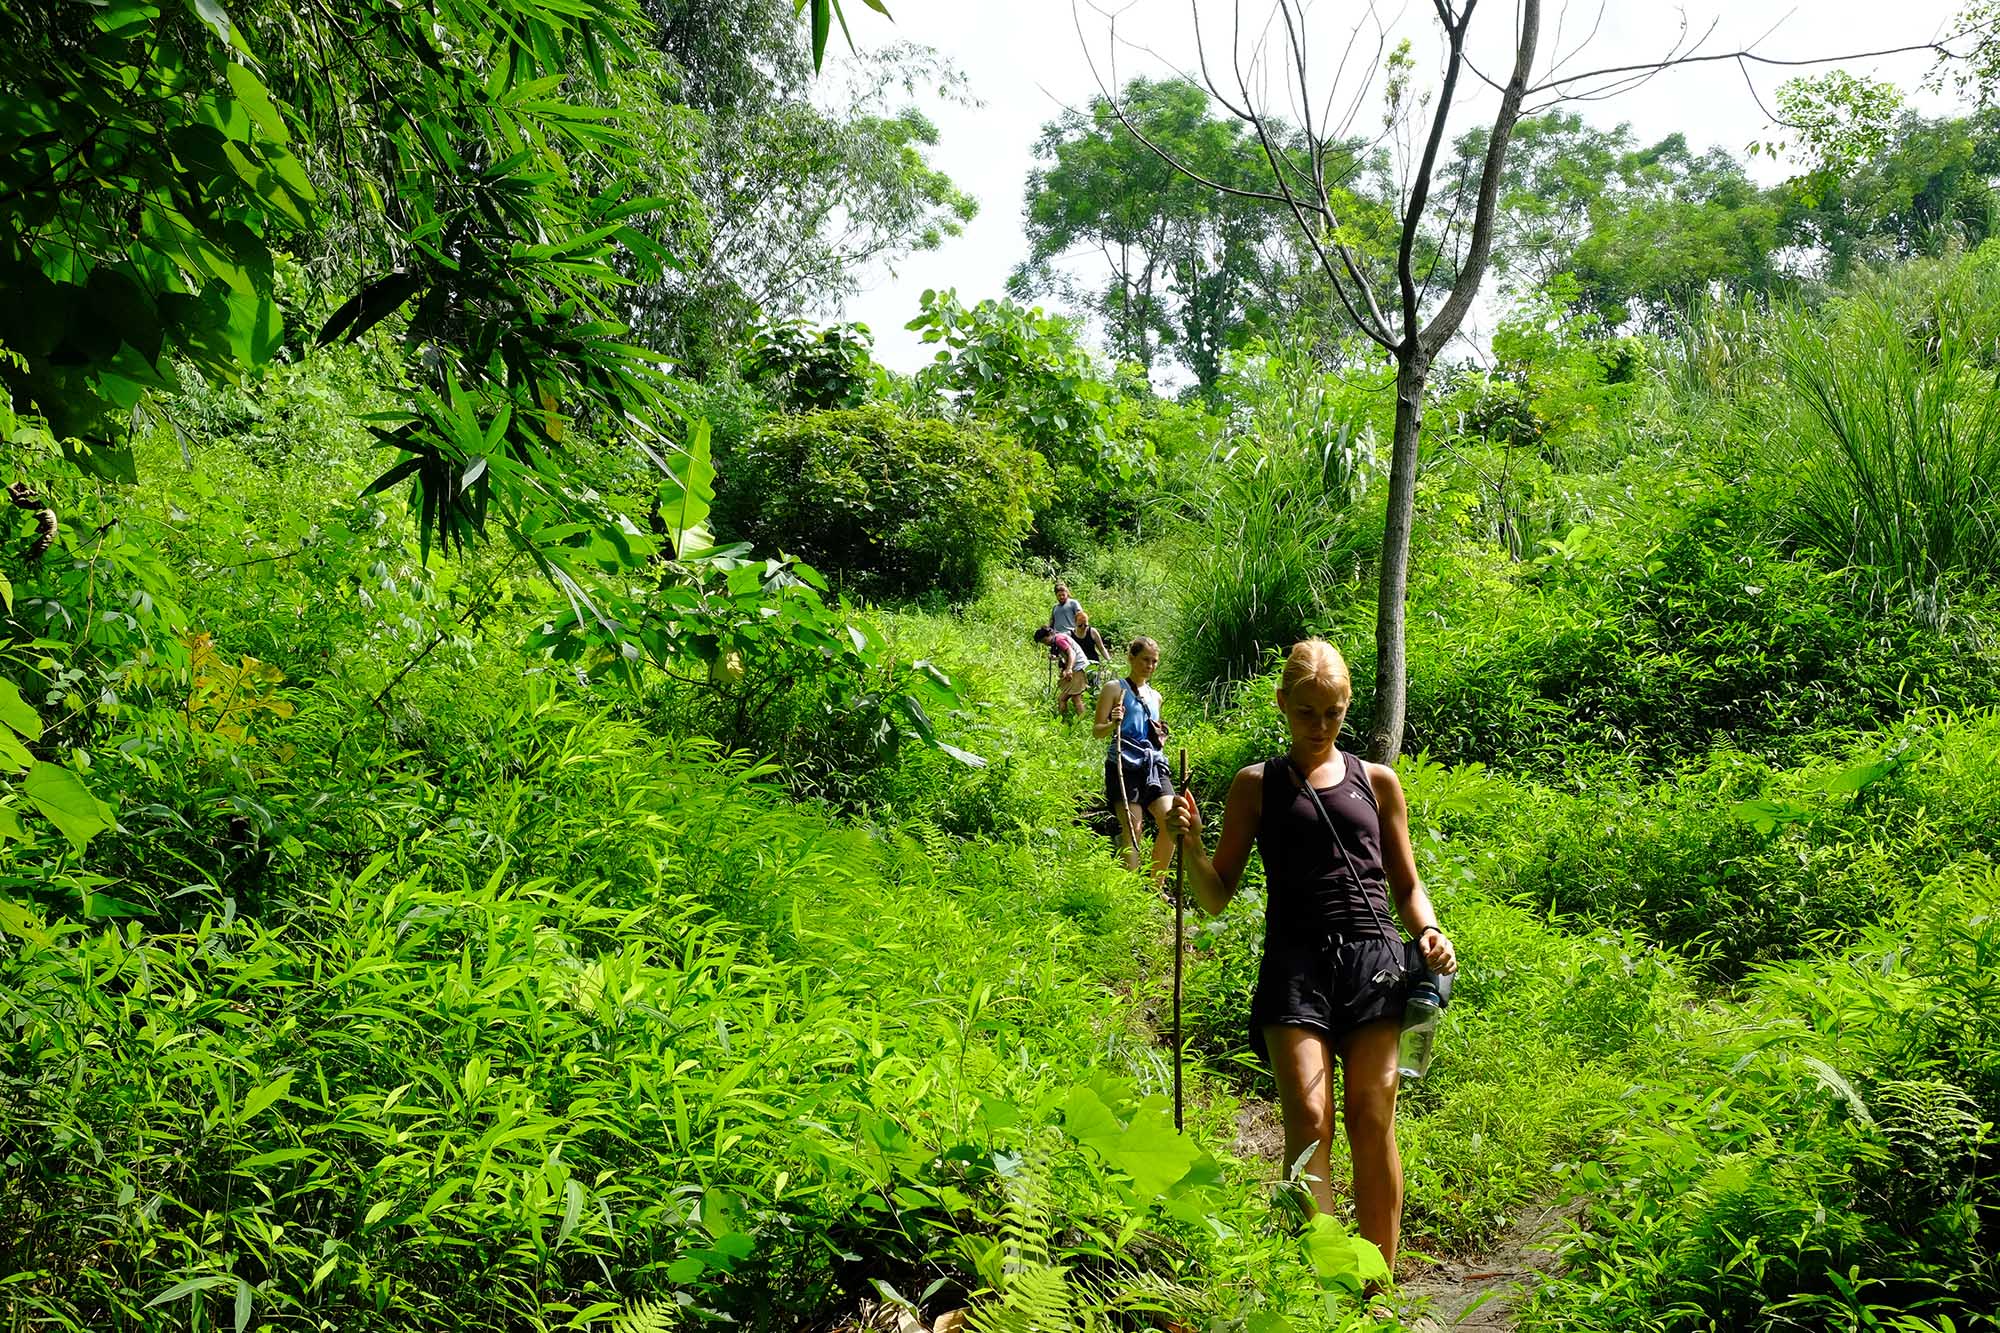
{"x": 1939, "y": 47}
{"x": 1473, "y": 271}
{"x": 1420, "y": 185}
{"x": 1112, "y": 100}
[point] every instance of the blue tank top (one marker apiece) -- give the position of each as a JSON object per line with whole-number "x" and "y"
{"x": 1135, "y": 734}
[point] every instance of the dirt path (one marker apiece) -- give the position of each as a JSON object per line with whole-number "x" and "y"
{"x": 1480, "y": 1292}
{"x": 1472, "y": 1293}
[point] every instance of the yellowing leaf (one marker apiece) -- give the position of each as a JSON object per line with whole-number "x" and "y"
{"x": 18, "y": 920}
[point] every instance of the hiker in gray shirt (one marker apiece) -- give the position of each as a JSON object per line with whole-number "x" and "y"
{"x": 1063, "y": 619}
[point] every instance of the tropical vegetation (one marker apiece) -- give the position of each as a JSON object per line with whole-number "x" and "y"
{"x": 527, "y": 799}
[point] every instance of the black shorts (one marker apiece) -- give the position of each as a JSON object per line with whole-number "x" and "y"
{"x": 1146, "y": 780}
{"x": 1331, "y": 987}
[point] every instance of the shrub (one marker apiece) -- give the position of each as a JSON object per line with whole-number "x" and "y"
{"x": 1828, "y": 1160}
{"x": 899, "y": 505}
{"x": 807, "y": 369}
{"x": 1732, "y": 860}
{"x": 1893, "y": 462}
{"x": 1261, "y": 557}
{"x": 1709, "y": 638}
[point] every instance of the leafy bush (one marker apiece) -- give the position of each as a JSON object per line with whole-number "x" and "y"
{"x": 1029, "y": 374}
{"x": 1711, "y": 637}
{"x": 810, "y": 370}
{"x": 601, "y": 1019}
{"x": 1827, "y": 1165}
{"x": 894, "y": 503}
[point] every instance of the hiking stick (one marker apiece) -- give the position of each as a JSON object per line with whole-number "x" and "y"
{"x": 1127, "y": 820}
{"x": 1180, "y": 929}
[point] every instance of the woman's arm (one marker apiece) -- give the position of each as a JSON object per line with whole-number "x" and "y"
{"x": 1110, "y": 710}
{"x": 1399, "y": 861}
{"x": 1215, "y": 881}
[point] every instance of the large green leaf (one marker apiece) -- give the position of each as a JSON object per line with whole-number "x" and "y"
{"x": 17, "y": 713}
{"x": 687, "y": 494}
{"x": 256, "y": 100}
{"x": 1340, "y": 1258}
{"x": 65, "y": 802}
{"x": 1147, "y": 1148}
{"x": 277, "y": 1088}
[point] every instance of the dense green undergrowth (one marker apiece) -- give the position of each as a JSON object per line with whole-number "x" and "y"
{"x": 395, "y": 971}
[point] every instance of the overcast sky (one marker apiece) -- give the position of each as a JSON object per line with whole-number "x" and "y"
{"x": 1024, "y": 61}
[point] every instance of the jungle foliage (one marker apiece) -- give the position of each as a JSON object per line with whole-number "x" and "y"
{"x": 526, "y": 801}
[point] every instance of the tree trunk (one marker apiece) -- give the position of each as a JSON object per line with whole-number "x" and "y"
{"x": 1391, "y": 669}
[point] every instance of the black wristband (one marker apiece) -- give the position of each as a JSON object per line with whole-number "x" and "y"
{"x": 1427, "y": 930}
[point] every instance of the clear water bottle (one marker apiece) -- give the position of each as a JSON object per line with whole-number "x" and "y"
{"x": 1420, "y": 1024}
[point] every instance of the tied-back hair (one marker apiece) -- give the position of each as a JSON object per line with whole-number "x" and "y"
{"x": 1141, "y": 644}
{"x": 1320, "y": 662}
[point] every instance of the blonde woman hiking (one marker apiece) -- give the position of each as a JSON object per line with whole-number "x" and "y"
{"x": 1136, "y": 781}
{"x": 1334, "y": 835}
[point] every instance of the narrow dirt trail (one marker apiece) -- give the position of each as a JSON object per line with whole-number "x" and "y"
{"x": 1480, "y": 1292}
{"x": 1477, "y": 1292}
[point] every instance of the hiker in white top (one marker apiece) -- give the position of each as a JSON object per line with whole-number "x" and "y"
{"x": 1070, "y": 662}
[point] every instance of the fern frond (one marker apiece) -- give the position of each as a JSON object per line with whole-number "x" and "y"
{"x": 649, "y": 1316}
{"x": 1935, "y": 1129}
{"x": 1036, "y": 1299}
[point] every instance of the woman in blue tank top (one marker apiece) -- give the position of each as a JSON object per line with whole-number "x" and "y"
{"x": 1136, "y": 781}
{"x": 1334, "y": 835}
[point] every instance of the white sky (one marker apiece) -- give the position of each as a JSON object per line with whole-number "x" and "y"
{"x": 1024, "y": 60}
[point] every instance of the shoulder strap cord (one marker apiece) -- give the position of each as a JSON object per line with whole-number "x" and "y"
{"x": 1145, "y": 710}
{"x": 1392, "y": 934}
{"x": 1118, "y": 734}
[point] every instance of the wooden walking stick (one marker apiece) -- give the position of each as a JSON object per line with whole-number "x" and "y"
{"x": 1129, "y": 820}
{"x": 1180, "y": 927}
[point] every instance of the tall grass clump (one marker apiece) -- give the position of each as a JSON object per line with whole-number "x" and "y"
{"x": 1894, "y": 455}
{"x": 1262, "y": 552}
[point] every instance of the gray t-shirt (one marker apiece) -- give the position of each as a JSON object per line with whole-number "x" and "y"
{"x": 1063, "y": 619}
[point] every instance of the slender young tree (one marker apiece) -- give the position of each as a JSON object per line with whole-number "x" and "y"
{"x": 1392, "y": 303}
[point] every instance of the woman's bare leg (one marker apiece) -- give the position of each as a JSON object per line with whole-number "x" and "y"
{"x": 1163, "y": 837}
{"x": 1126, "y": 816}
{"x": 1304, "y": 1066}
{"x": 1368, "y": 1100}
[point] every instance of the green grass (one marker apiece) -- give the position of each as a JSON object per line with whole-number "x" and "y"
{"x": 1895, "y": 448}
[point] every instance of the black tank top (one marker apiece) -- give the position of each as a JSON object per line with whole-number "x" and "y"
{"x": 1314, "y": 890}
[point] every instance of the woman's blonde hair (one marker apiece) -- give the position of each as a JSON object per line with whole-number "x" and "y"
{"x": 1318, "y": 661}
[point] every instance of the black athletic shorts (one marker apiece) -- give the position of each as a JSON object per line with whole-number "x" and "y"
{"x": 1331, "y": 987}
{"x": 1146, "y": 780}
